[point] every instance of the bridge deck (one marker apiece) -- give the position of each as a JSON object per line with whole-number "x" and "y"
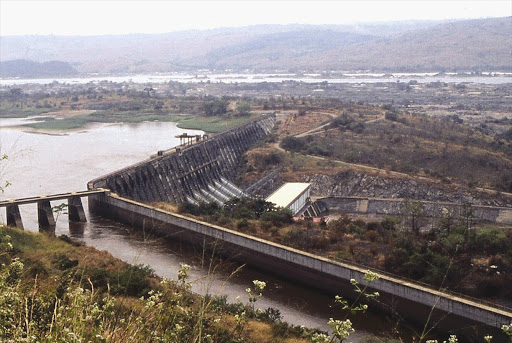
{"x": 52, "y": 197}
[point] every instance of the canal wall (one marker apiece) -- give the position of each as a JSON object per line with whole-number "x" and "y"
{"x": 411, "y": 301}
{"x": 172, "y": 176}
{"x": 368, "y": 205}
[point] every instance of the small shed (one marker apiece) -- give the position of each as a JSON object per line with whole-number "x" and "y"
{"x": 291, "y": 195}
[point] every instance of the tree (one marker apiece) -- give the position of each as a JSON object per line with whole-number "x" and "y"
{"x": 467, "y": 214}
{"x": 413, "y": 212}
{"x": 149, "y": 90}
{"x": 215, "y": 106}
{"x": 293, "y": 143}
{"x": 243, "y": 108}
{"x": 16, "y": 94}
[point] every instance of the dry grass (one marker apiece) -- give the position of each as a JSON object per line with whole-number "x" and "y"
{"x": 166, "y": 206}
{"x": 47, "y": 253}
{"x": 421, "y": 146}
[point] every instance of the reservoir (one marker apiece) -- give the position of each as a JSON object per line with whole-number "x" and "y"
{"x": 47, "y": 163}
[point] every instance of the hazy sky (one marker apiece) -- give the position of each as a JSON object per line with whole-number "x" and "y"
{"x": 95, "y": 17}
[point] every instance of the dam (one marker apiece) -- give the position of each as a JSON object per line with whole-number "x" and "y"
{"x": 184, "y": 173}
{"x": 288, "y": 264}
{"x": 188, "y": 173}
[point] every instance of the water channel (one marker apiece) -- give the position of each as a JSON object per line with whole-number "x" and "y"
{"x": 44, "y": 163}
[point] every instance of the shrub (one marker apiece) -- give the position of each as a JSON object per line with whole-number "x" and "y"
{"x": 242, "y": 224}
{"x": 391, "y": 115}
{"x": 340, "y": 225}
{"x": 197, "y": 210}
{"x": 318, "y": 242}
{"x": 64, "y": 263}
{"x": 343, "y": 255}
{"x": 131, "y": 280}
{"x": 490, "y": 286}
{"x": 293, "y": 144}
{"x": 278, "y": 217}
{"x": 247, "y": 208}
{"x": 373, "y": 226}
{"x": 372, "y": 236}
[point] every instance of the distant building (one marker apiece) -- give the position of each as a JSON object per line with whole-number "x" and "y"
{"x": 292, "y": 195}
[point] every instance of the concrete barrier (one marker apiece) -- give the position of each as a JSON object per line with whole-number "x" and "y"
{"x": 415, "y": 301}
{"x": 499, "y": 215}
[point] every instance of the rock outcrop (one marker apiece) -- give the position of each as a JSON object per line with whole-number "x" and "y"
{"x": 353, "y": 183}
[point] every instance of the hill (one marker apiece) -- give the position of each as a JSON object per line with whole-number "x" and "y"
{"x": 483, "y": 44}
{"x": 467, "y": 45}
{"x": 27, "y": 69}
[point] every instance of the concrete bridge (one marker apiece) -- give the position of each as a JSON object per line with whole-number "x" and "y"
{"x": 44, "y": 209}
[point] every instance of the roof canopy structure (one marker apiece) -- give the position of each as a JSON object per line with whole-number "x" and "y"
{"x": 291, "y": 195}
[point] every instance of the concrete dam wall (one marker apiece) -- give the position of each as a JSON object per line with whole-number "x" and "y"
{"x": 175, "y": 175}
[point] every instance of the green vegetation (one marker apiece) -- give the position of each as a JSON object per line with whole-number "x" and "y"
{"x": 243, "y": 108}
{"x": 23, "y": 112}
{"x": 54, "y": 291}
{"x": 213, "y": 124}
{"x": 454, "y": 255}
{"x": 238, "y": 212}
{"x": 213, "y": 106}
{"x": 69, "y": 111}
{"x": 477, "y": 262}
{"x": 78, "y": 121}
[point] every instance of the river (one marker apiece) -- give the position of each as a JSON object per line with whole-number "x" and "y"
{"x": 43, "y": 163}
{"x": 483, "y": 78}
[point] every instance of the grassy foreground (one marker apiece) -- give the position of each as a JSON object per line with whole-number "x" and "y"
{"x": 54, "y": 290}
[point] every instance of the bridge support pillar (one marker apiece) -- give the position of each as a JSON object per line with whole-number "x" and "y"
{"x": 76, "y": 210}
{"x": 45, "y": 214}
{"x": 14, "y": 216}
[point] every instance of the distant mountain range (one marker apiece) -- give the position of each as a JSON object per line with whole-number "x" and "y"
{"x": 30, "y": 69}
{"x": 466, "y": 45}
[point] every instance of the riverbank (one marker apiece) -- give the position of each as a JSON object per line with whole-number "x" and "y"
{"x": 60, "y": 121}
{"x": 99, "y": 298}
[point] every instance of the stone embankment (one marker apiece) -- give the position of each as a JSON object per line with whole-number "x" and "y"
{"x": 174, "y": 176}
{"x": 354, "y": 183}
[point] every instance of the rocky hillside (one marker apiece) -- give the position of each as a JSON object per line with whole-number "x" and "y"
{"x": 354, "y": 183}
